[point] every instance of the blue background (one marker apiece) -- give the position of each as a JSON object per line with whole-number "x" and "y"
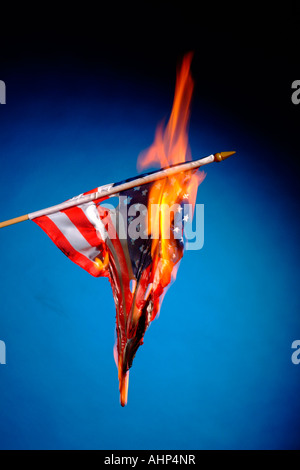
{"x": 215, "y": 371}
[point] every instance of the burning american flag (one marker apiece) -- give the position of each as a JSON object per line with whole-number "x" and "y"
{"x": 137, "y": 244}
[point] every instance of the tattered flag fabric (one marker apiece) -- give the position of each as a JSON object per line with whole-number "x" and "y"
{"x": 138, "y": 242}
{"x": 136, "y": 245}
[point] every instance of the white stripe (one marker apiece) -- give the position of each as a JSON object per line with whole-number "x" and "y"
{"x": 74, "y": 237}
{"x": 92, "y": 215}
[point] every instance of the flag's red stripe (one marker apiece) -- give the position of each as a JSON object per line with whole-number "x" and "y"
{"x": 83, "y": 225}
{"x": 95, "y": 191}
{"x": 121, "y": 260}
{"x": 123, "y": 278}
{"x": 63, "y": 244}
{"x": 91, "y": 191}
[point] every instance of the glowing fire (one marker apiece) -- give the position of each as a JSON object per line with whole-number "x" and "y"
{"x": 143, "y": 298}
{"x": 170, "y": 147}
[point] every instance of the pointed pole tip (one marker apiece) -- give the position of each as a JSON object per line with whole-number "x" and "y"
{"x": 219, "y": 157}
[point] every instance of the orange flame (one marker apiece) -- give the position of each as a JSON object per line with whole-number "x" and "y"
{"x": 171, "y": 147}
{"x": 143, "y": 299}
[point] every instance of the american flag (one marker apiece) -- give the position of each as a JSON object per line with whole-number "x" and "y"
{"x": 99, "y": 239}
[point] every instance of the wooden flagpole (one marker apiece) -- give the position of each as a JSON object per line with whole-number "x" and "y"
{"x": 109, "y": 190}
{"x": 22, "y": 218}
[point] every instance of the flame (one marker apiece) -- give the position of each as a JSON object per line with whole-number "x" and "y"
{"x": 170, "y": 147}
{"x": 141, "y": 303}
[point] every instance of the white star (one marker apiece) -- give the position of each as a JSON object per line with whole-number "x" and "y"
{"x": 127, "y": 200}
{"x": 185, "y": 196}
{"x": 186, "y": 218}
{"x": 176, "y": 229}
{"x": 137, "y": 188}
{"x": 179, "y": 210}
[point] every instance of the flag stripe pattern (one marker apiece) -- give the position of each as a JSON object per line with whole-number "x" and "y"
{"x": 78, "y": 232}
{"x": 136, "y": 266}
